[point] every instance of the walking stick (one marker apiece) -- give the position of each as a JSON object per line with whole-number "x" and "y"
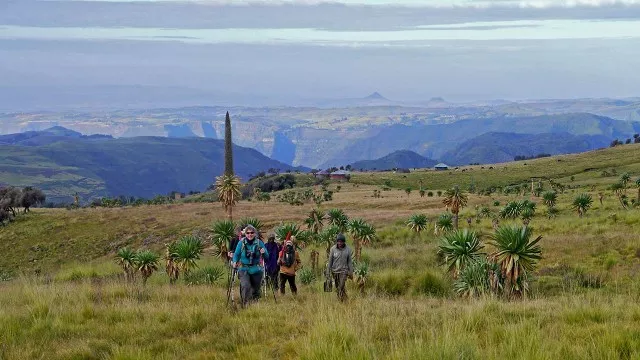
{"x": 230, "y": 294}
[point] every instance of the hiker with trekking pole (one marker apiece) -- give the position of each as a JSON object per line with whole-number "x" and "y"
{"x": 232, "y": 271}
{"x": 289, "y": 260}
{"x": 272, "y": 268}
{"x": 340, "y": 266}
{"x": 247, "y": 260}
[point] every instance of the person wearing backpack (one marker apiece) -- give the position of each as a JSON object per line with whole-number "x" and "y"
{"x": 341, "y": 265}
{"x": 289, "y": 261}
{"x": 272, "y": 266}
{"x": 248, "y": 260}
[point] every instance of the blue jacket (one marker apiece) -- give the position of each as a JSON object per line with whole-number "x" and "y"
{"x": 244, "y": 250}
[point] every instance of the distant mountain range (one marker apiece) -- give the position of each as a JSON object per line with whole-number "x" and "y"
{"x": 489, "y": 148}
{"x": 63, "y": 162}
{"x": 349, "y": 130}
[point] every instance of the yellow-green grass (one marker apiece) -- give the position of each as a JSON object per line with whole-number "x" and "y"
{"x": 585, "y": 167}
{"x": 583, "y": 303}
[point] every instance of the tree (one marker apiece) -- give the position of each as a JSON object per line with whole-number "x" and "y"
{"x": 618, "y": 189}
{"x": 459, "y": 249}
{"x": 328, "y": 237}
{"x": 418, "y": 222}
{"x": 126, "y": 258}
{"x": 362, "y": 233}
{"x": 146, "y": 262}
{"x": 338, "y": 218}
{"x": 455, "y": 199}
{"x": 171, "y": 265}
{"x": 517, "y": 255}
{"x": 31, "y": 197}
{"x": 222, "y": 233}
{"x": 408, "y": 190}
{"x": 638, "y": 186}
{"x": 443, "y": 224}
{"x": 582, "y": 203}
{"x": 624, "y": 180}
{"x": 228, "y": 185}
{"x": 187, "y": 251}
{"x": 550, "y": 198}
{"x": 10, "y": 199}
{"x": 315, "y": 220}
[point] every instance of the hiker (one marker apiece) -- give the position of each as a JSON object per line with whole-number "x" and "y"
{"x": 272, "y": 267}
{"x": 246, "y": 259}
{"x": 341, "y": 265}
{"x": 289, "y": 260}
{"x": 233, "y": 244}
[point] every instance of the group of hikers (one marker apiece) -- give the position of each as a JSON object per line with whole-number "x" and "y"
{"x": 277, "y": 263}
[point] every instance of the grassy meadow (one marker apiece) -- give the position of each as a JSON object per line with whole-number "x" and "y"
{"x": 64, "y": 297}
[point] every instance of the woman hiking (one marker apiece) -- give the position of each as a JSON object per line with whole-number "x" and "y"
{"x": 247, "y": 259}
{"x": 289, "y": 261}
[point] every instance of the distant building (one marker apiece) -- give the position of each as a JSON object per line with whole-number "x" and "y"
{"x": 324, "y": 174}
{"x": 441, "y": 166}
{"x": 340, "y": 175}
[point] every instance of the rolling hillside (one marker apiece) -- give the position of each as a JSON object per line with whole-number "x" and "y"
{"x": 496, "y": 147}
{"x": 139, "y": 166}
{"x": 398, "y": 159}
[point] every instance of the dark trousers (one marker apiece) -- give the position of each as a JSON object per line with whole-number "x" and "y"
{"x": 272, "y": 279}
{"x": 292, "y": 283}
{"x": 340, "y": 280}
{"x": 249, "y": 286}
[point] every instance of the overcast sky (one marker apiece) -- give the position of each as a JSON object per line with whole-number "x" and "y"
{"x": 282, "y": 52}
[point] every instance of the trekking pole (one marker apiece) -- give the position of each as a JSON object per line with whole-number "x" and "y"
{"x": 230, "y": 294}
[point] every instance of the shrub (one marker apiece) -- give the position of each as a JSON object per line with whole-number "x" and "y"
{"x": 432, "y": 284}
{"x": 307, "y": 276}
{"x": 439, "y": 192}
{"x": 207, "y": 275}
{"x": 430, "y": 194}
{"x": 392, "y": 283}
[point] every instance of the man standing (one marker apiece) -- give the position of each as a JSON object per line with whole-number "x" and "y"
{"x": 271, "y": 265}
{"x": 341, "y": 265}
{"x": 246, "y": 259}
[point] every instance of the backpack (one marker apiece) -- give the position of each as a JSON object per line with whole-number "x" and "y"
{"x": 288, "y": 256}
{"x": 252, "y": 254}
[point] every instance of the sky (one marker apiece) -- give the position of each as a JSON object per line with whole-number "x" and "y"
{"x": 56, "y": 53}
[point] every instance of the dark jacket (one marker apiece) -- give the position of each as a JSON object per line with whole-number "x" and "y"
{"x": 271, "y": 264}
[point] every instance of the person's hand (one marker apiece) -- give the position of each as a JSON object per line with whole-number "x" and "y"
{"x": 262, "y": 251}
{"x": 235, "y": 265}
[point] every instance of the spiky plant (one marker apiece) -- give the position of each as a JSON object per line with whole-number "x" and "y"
{"x": 528, "y": 204}
{"x": 624, "y": 180}
{"x": 307, "y": 276}
{"x": 361, "y": 273}
{"x": 511, "y": 210}
{"x": 552, "y": 212}
{"x": 283, "y": 229}
{"x": 126, "y": 258}
{"x": 444, "y": 223}
{"x": 228, "y": 185}
{"x": 638, "y": 186}
{"x": 526, "y": 215}
{"x": 422, "y": 192}
{"x": 474, "y": 280}
{"x": 187, "y": 251}
{"x": 582, "y": 203}
{"x": 255, "y": 222}
{"x": 618, "y": 189}
{"x": 485, "y": 212}
{"x": 418, "y": 222}
{"x": 460, "y": 248}
{"x": 228, "y": 190}
{"x": 362, "y": 233}
{"x": 338, "y": 218}
{"x": 315, "y": 220}
{"x": 146, "y": 262}
{"x": 222, "y": 233}
{"x": 171, "y": 265}
{"x": 550, "y": 198}
{"x": 328, "y": 237}
{"x": 517, "y": 255}
{"x": 455, "y": 199}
